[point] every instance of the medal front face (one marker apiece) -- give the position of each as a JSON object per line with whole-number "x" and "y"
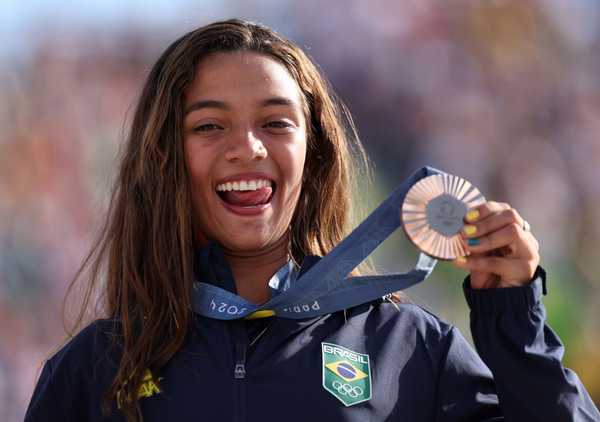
{"x": 433, "y": 211}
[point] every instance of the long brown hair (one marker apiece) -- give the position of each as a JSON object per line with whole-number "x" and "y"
{"x": 142, "y": 263}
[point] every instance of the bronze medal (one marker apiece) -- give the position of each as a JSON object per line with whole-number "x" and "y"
{"x": 433, "y": 211}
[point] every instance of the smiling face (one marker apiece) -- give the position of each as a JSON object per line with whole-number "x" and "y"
{"x": 245, "y": 147}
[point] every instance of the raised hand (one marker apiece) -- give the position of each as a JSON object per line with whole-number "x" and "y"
{"x": 503, "y": 251}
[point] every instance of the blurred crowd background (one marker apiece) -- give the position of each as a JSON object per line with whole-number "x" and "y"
{"x": 503, "y": 93}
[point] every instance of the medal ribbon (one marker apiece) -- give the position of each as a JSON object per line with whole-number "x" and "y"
{"x": 326, "y": 286}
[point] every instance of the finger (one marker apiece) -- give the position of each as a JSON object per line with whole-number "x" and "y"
{"x": 482, "y": 211}
{"x": 534, "y": 241}
{"x": 511, "y": 235}
{"x": 490, "y": 264}
{"x": 492, "y": 220}
{"x": 511, "y": 271}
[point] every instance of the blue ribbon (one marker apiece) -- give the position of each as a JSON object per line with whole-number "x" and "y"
{"x": 326, "y": 286}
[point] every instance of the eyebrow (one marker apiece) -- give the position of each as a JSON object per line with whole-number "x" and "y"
{"x": 277, "y": 101}
{"x": 206, "y": 104}
{"x": 273, "y": 101}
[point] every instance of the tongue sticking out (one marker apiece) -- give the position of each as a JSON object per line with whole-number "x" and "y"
{"x": 248, "y": 198}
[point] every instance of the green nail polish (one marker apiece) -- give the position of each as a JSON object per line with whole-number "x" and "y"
{"x": 473, "y": 242}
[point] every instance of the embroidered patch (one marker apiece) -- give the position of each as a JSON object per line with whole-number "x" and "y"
{"x": 346, "y": 374}
{"x": 148, "y": 388}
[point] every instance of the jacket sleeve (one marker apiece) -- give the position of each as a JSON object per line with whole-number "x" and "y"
{"x": 45, "y": 404}
{"x": 525, "y": 355}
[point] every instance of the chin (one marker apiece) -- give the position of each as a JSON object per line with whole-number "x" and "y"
{"x": 246, "y": 244}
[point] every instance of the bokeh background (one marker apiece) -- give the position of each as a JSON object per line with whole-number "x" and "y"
{"x": 503, "y": 93}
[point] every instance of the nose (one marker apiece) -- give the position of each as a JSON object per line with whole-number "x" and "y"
{"x": 245, "y": 146}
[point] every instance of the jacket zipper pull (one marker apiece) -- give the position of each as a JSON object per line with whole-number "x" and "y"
{"x": 239, "y": 371}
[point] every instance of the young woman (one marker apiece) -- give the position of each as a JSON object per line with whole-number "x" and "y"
{"x": 237, "y": 172}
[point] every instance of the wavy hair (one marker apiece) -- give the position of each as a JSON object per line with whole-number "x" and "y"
{"x": 142, "y": 262}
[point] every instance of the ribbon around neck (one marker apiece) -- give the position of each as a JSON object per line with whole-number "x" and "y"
{"x": 326, "y": 286}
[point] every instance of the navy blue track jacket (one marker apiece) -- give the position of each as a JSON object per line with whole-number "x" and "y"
{"x": 411, "y": 366}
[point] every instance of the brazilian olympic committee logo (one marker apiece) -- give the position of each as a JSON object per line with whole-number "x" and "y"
{"x": 346, "y": 374}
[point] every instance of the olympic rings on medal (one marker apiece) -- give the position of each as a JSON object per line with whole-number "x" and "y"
{"x": 347, "y": 389}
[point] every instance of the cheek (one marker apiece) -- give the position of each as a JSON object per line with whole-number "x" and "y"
{"x": 198, "y": 176}
{"x": 297, "y": 158}
{"x": 196, "y": 160}
{"x": 295, "y": 169}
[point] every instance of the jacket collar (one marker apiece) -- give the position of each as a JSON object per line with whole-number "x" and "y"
{"x": 213, "y": 268}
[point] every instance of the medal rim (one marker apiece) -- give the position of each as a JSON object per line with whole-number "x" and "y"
{"x": 477, "y": 201}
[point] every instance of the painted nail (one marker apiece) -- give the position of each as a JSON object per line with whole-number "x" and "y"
{"x": 461, "y": 259}
{"x": 470, "y": 230}
{"x": 472, "y": 215}
{"x": 473, "y": 242}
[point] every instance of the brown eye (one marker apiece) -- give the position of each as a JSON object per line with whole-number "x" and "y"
{"x": 278, "y": 124}
{"x": 207, "y": 127}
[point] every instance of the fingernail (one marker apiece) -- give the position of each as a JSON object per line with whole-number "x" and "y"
{"x": 473, "y": 242}
{"x": 461, "y": 259}
{"x": 470, "y": 230}
{"x": 472, "y": 215}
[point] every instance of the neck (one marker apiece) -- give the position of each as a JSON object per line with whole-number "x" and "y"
{"x": 253, "y": 270}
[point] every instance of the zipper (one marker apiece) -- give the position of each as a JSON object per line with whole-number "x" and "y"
{"x": 239, "y": 371}
{"x": 240, "y": 340}
{"x": 241, "y": 346}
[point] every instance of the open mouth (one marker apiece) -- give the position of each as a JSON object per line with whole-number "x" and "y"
{"x": 248, "y": 195}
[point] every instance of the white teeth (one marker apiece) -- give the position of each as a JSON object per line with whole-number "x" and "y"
{"x": 244, "y": 185}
